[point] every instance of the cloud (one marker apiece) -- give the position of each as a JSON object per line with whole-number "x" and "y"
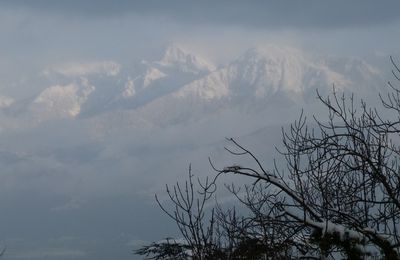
{"x": 261, "y": 14}
{"x": 76, "y": 69}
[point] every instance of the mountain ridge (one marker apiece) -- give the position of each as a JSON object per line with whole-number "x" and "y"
{"x": 181, "y": 85}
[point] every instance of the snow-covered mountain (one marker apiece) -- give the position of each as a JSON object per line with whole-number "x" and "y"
{"x": 182, "y": 86}
{"x": 151, "y": 79}
{"x": 259, "y": 80}
{"x": 262, "y": 73}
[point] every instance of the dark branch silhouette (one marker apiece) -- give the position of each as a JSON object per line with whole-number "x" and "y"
{"x": 338, "y": 196}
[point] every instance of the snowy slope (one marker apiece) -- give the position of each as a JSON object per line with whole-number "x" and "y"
{"x": 261, "y": 73}
{"x": 260, "y": 80}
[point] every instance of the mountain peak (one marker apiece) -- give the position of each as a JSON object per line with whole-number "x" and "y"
{"x": 175, "y": 55}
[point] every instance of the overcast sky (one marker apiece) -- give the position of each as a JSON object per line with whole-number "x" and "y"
{"x": 44, "y": 31}
{"x": 261, "y": 14}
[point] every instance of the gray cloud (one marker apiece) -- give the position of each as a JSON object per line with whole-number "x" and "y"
{"x": 261, "y": 14}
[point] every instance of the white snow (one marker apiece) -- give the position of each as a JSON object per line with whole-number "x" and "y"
{"x": 151, "y": 75}
{"x": 129, "y": 89}
{"x": 214, "y": 86}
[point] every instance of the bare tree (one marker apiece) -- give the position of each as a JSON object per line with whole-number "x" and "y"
{"x": 338, "y": 194}
{"x": 342, "y": 181}
{"x": 210, "y": 231}
{"x": 195, "y": 223}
